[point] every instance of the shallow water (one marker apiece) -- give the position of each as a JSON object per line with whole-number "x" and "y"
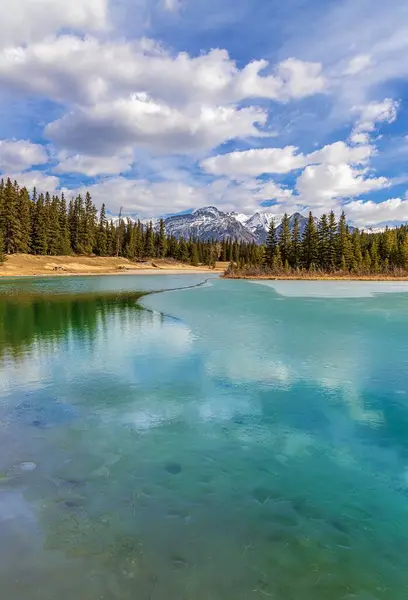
{"x": 229, "y": 441}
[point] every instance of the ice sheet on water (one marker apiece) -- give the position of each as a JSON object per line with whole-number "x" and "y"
{"x": 335, "y": 289}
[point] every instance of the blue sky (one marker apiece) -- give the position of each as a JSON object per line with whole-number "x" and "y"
{"x": 163, "y": 106}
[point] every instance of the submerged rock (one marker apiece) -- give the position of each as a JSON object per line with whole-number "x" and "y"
{"x": 173, "y": 468}
{"x": 28, "y": 466}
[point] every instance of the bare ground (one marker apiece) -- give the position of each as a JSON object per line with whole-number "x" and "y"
{"x": 28, "y": 265}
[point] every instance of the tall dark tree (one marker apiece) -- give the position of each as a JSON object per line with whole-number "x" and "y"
{"x": 285, "y": 240}
{"x": 271, "y": 245}
{"x": 310, "y": 249}
{"x": 162, "y": 240}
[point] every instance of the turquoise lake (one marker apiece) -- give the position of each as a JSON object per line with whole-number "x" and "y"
{"x": 233, "y": 440}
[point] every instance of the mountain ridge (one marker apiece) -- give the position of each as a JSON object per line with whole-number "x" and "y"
{"x": 210, "y": 223}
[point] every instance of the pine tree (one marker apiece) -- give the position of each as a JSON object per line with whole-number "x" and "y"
{"x": 2, "y": 255}
{"x": 310, "y": 244}
{"x": 39, "y": 241}
{"x": 182, "y": 254}
{"x": 194, "y": 255}
{"x": 54, "y": 229}
{"x": 101, "y": 238}
{"x": 323, "y": 239}
{"x": 285, "y": 239}
{"x": 162, "y": 249}
{"x": 65, "y": 243}
{"x": 271, "y": 245}
{"x": 149, "y": 242}
{"x": 332, "y": 250}
{"x": 296, "y": 244}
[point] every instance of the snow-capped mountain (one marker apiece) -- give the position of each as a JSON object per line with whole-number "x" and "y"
{"x": 209, "y": 224}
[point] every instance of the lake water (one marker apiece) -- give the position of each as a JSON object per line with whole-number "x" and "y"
{"x": 225, "y": 442}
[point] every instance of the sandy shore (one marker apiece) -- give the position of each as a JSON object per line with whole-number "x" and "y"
{"x": 27, "y": 265}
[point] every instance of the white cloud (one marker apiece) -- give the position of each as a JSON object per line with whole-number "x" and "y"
{"x": 117, "y": 126}
{"x": 18, "y": 155}
{"x": 94, "y": 165}
{"x": 358, "y": 63}
{"x": 284, "y": 160}
{"x": 68, "y": 68}
{"x": 376, "y": 112}
{"x": 172, "y": 5}
{"x": 150, "y": 199}
{"x": 368, "y": 213}
{"x": 38, "y": 179}
{"x": 321, "y": 185}
{"x": 27, "y": 20}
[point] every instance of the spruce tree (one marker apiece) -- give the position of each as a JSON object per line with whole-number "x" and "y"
{"x": 310, "y": 244}
{"x": 296, "y": 244}
{"x": 285, "y": 239}
{"x": 39, "y": 242}
{"x": 271, "y": 245}
{"x": 323, "y": 239}
{"x": 65, "y": 242}
{"x": 149, "y": 242}
{"x": 54, "y": 230}
{"x": 162, "y": 250}
{"x": 332, "y": 249}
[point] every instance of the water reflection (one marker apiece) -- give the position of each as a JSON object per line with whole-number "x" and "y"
{"x": 250, "y": 448}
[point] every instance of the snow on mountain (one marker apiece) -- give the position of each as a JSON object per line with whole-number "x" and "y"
{"x": 259, "y": 224}
{"x": 208, "y": 224}
{"x": 239, "y": 217}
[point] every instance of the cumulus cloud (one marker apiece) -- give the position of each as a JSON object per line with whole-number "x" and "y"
{"x": 18, "y": 155}
{"x": 139, "y": 120}
{"x": 284, "y": 160}
{"x": 368, "y": 213}
{"x": 94, "y": 165}
{"x": 27, "y": 20}
{"x": 376, "y": 112}
{"x": 156, "y": 198}
{"x": 320, "y": 185}
{"x": 37, "y": 179}
{"x": 88, "y": 70}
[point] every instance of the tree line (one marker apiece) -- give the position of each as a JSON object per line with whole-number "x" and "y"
{"x": 46, "y": 224}
{"x": 329, "y": 246}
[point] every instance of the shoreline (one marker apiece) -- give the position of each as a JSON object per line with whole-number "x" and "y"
{"x": 29, "y": 265}
{"x": 318, "y": 278}
{"x": 150, "y": 271}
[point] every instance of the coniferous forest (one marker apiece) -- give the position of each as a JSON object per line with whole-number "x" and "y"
{"x": 46, "y": 224}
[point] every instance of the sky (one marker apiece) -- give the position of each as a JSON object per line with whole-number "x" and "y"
{"x": 165, "y": 106}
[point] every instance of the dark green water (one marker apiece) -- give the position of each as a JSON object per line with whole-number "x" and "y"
{"x": 229, "y": 441}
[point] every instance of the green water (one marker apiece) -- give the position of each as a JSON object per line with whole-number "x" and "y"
{"x": 228, "y": 441}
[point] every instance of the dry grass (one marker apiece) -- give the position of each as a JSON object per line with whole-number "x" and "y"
{"x": 28, "y": 265}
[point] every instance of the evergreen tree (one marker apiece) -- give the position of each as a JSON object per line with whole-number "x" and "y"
{"x": 101, "y": 237}
{"x": 149, "y": 242}
{"x": 65, "y": 242}
{"x": 296, "y": 244}
{"x": 310, "y": 244}
{"x": 271, "y": 245}
{"x": 323, "y": 239}
{"x": 162, "y": 240}
{"x": 54, "y": 229}
{"x": 332, "y": 249}
{"x": 285, "y": 240}
{"x": 39, "y": 240}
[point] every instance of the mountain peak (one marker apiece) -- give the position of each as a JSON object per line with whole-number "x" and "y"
{"x": 208, "y": 211}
